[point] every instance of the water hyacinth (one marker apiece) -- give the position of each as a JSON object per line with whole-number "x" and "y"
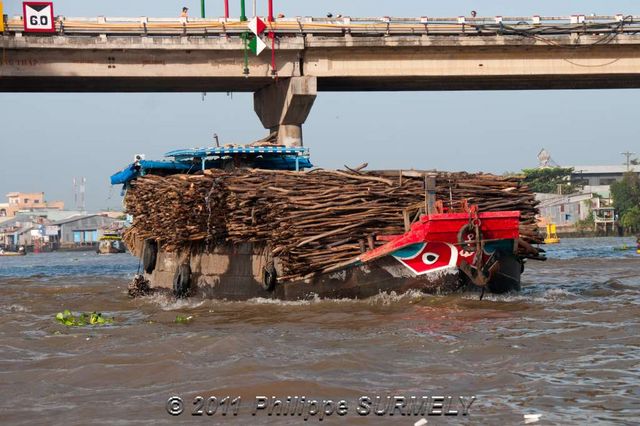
{"x": 182, "y": 319}
{"x": 95, "y": 318}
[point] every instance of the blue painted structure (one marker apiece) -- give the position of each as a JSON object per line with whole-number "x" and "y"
{"x": 194, "y": 159}
{"x": 260, "y": 157}
{"x": 140, "y": 168}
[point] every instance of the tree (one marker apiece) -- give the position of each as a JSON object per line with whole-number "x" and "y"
{"x": 547, "y": 179}
{"x": 587, "y": 224}
{"x": 626, "y": 193}
{"x": 631, "y": 219}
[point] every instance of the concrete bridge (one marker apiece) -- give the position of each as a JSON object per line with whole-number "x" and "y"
{"x": 343, "y": 54}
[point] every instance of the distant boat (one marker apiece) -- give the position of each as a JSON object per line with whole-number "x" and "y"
{"x": 623, "y": 247}
{"x": 111, "y": 243}
{"x": 21, "y": 252}
{"x": 552, "y": 235}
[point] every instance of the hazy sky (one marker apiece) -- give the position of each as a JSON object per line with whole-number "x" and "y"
{"x": 47, "y": 139}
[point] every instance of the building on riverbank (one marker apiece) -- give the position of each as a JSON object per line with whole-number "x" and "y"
{"x": 81, "y": 231}
{"x": 40, "y": 233}
{"x": 598, "y": 179}
{"x": 566, "y": 211}
{"x": 17, "y": 231}
{"x": 27, "y": 202}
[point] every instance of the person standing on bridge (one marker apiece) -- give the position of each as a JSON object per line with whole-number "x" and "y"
{"x": 185, "y": 12}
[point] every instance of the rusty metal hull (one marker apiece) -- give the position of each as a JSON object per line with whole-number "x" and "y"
{"x": 237, "y": 273}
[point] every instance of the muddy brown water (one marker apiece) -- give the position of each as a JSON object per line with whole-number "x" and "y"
{"x": 566, "y": 348}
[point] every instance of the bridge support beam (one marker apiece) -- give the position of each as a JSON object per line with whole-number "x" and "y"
{"x": 284, "y": 106}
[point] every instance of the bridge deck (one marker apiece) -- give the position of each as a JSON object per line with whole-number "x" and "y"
{"x": 344, "y": 54}
{"x": 535, "y": 25}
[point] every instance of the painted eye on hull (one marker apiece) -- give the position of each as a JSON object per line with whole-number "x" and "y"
{"x": 430, "y": 258}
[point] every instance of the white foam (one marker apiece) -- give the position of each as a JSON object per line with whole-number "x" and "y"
{"x": 382, "y": 298}
{"x": 393, "y": 297}
{"x": 169, "y": 303}
{"x": 265, "y": 301}
{"x": 14, "y": 307}
{"x": 532, "y": 418}
{"x": 552, "y": 294}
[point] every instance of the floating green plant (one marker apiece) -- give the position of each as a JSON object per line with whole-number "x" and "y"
{"x": 181, "y": 319}
{"x": 67, "y": 318}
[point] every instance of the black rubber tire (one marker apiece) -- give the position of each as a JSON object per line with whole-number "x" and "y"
{"x": 269, "y": 278}
{"x": 149, "y": 255}
{"x": 182, "y": 281}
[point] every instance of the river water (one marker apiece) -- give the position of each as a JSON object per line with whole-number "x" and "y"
{"x": 567, "y": 348}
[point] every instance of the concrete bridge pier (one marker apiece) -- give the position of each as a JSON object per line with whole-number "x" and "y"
{"x": 284, "y": 106}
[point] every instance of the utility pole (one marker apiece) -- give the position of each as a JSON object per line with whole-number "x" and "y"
{"x": 202, "y": 9}
{"x": 628, "y": 155}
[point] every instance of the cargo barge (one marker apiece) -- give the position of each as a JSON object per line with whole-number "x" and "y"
{"x": 242, "y": 222}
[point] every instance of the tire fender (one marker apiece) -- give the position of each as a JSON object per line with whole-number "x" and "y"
{"x": 149, "y": 255}
{"x": 269, "y": 277}
{"x": 182, "y": 281}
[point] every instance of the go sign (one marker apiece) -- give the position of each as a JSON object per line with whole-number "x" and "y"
{"x": 38, "y": 17}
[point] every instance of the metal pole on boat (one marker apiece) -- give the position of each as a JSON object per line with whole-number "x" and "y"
{"x": 270, "y": 17}
{"x": 243, "y": 14}
{"x": 245, "y": 36}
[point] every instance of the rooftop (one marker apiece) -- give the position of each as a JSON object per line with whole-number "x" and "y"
{"x": 73, "y": 219}
{"x": 602, "y": 169}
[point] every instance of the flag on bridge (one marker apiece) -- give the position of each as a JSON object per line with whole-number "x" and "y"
{"x": 257, "y": 27}
{"x": 257, "y": 45}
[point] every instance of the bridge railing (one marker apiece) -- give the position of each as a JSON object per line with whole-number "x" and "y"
{"x": 480, "y": 26}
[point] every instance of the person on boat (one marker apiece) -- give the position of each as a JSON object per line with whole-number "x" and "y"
{"x": 21, "y": 249}
{"x": 185, "y": 12}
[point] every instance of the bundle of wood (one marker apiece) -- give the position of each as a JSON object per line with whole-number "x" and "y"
{"x": 308, "y": 220}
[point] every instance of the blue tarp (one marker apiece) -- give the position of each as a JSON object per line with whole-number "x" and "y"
{"x": 136, "y": 169}
{"x": 190, "y": 160}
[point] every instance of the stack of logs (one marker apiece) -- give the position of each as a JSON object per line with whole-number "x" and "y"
{"x": 308, "y": 220}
